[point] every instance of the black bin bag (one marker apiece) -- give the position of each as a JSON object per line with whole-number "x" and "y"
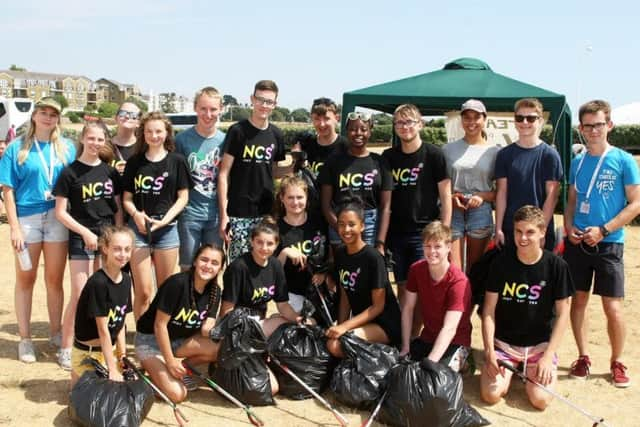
{"x": 359, "y": 379}
{"x": 426, "y": 394}
{"x": 241, "y": 369}
{"x": 303, "y": 349}
{"x": 100, "y": 402}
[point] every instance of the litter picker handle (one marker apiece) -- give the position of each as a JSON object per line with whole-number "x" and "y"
{"x": 374, "y": 414}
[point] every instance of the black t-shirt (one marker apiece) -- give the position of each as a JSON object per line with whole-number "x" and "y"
{"x": 91, "y": 191}
{"x": 359, "y": 274}
{"x": 101, "y": 297}
{"x": 318, "y": 154}
{"x": 250, "y": 191}
{"x": 187, "y": 308}
{"x": 415, "y": 197}
{"x": 246, "y": 284}
{"x": 122, "y": 154}
{"x": 352, "y": 176}
{"x": 302, "y": 238}
{"x": 155, "y": 185}
{"x": 527, "y": 296}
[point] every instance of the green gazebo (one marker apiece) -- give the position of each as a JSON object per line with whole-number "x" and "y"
{"x": 444, "y": 90}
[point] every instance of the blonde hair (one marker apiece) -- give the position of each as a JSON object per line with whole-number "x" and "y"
{"x": 436, "y": 230}
{"x": 287, "y": 182}
{"x": 210, "y": 91}
{"x": 107, "y": 236}
{"x": 408, "y": 110}
{"x": 55, "y": 139}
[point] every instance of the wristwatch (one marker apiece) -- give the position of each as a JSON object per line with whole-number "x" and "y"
{"x": 604, "y": 231}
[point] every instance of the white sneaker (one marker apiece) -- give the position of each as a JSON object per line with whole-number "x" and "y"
{"x": 64, "y": 358}
{"x": 56, "y": 340}
{"x": 26, "y": 352}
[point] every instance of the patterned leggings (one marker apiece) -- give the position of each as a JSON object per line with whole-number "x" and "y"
{"x": 240, "y": 236}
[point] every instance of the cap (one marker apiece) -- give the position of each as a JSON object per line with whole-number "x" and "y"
{"x": 475, "y": 105}
{"x": 49, "y": 102}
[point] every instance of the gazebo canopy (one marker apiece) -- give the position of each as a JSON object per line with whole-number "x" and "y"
{"x": 444, "y": 90}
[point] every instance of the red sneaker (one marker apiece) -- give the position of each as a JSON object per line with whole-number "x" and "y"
{"x": 619, "y": 375}
{"x": 580, "y": 368}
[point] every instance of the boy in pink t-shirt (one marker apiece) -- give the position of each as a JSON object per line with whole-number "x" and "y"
{"x": 444, "y": 295}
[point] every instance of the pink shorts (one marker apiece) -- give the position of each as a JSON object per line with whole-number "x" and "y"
{"x": 527, "y": 356}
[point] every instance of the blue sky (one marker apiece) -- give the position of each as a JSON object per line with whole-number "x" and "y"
{"x": 582, "y": 49}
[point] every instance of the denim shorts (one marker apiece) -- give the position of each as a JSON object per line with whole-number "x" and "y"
{"x": 193, "y": 233}
{"x": 163, "y": 238}
{"x": 77, "y": 250}
{"x": 147, "y": 346}
{"x": 369, "y": 234}
{"x": 406, "y": 248}
{"x": 476, "y": 223}
{"x": 43, "y": 227}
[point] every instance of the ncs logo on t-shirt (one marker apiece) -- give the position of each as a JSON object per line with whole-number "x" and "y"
{"x": 306, "y": 246}
{"x": 96, "y": 190}
{"x": 349, "y": 279}
{"x": 522, "y": 292}
{"x": 314, "y": 167}
{"x": 406, "y": 176}
{"x": 258, "y": 153}
{"x": 189, "y": 318}
{"x": 263, "y": 293}
{"x": 357, "y": 180}
{"x": 116, "y": 315}
{"x": 144, "y": 184}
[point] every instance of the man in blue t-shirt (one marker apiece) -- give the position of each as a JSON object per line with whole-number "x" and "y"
{"x": 528, "y": 172}
{"x": 201, "y": 145}
{"x": 604, "y": 196}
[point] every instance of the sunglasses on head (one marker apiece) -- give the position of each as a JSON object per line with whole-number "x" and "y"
{"x": 322, "y": 101}
{"x": 129, "y": 115}
{"x": 529, "y": 119}
{"x": 357, "y": 115}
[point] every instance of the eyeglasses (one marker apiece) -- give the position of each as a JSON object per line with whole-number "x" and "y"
{"x": 357, "y": 115}
{"x": 405, "y": 123}
{"x": 129, "y": 115}
{"x": 529, "y": 119}
{"x": 590, "y": 127}
{"x": 264, "y": 101}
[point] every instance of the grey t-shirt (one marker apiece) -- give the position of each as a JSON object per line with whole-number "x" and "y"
{"x": 471, "y": 166}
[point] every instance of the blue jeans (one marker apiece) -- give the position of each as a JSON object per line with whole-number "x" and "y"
{"x": 370, "y": 229}
{"x": 194, "y": 233}
{"x": 406, "y": 248}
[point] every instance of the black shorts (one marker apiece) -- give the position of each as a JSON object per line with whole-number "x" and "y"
{"x": 77, "y": 250}
{"x": 604, "y": 268}
{"x": 419, "y": 349}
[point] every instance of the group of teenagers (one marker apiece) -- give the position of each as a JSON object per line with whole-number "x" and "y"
{"x": 126, "y": 209}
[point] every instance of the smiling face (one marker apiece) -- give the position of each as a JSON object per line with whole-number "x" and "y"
{"x": 528, "y": 236}
{"x": 595, "y": 127}
{"x": 117, "y": 252}
{"x": 526, "y": 129}
{"x": 407, "y": 126}
{"x": 207, "y": 264}
{"x": 358, "y": 132}
{"x": 324, "y": 124}
{"x": 350, "y": 227}
{"x": 473, "y": 124}
{"x": 128, "y": 116}
{"x": 436, "y": 251}
{"x": 208, "y": 110}
{"x": 262, "y": 247}
{"x": 263, "y": 101}
{"x": 155, "y": 133}
{"x": 45, "y": 119}
{"x": 93, "y": 141}
{"x": 294, "y": 200}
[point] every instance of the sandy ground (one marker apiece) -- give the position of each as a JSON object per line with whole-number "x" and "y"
{"x": 37, "y": 394}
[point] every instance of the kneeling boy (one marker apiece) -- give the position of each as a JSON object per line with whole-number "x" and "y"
{"x": 444, "y": 293}
{"x": 524, "y": 291}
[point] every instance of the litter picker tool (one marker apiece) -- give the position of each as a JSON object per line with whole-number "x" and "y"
{"x": 180, "y": 418}
{"x": 253, "y": 418}
{"x": 341, "y": 419}
{"x": 374, "y": 414}
{"x": 597, "y": 421}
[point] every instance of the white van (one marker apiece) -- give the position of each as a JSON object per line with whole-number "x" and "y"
{"x": 14, "y": 111}
{"x": 182, "y": 121}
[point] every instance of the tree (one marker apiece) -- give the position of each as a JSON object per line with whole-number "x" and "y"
{"x": 107, "y": 109}
{"x": 300, "y": 115}
{"x": 90, "y": 108}
{"x": 168, "y": 103}
{"x": 14, "y": 67}
{"x": 60, "y": 99}
{"x": 228, "y": 100}
{"x": 234, "y": 113}
{"x": 139, "y": 102}
{"x": 382, "y": 119}
{"x": 280, "y": 114}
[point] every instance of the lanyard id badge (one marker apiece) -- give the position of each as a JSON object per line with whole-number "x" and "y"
{"x": 48, "y": 169}
{"x": 585, "y": 206}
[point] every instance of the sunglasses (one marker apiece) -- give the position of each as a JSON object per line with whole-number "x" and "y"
{"x": 264, "y": 101}
{"x": 323, "y": 101}
{"x": 129, "y": 115}
{"x": 529, "y": 119}
{"x": 357, "y": 115}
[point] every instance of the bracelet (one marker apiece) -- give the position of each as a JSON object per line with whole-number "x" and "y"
{"x": 379, "y": 242}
